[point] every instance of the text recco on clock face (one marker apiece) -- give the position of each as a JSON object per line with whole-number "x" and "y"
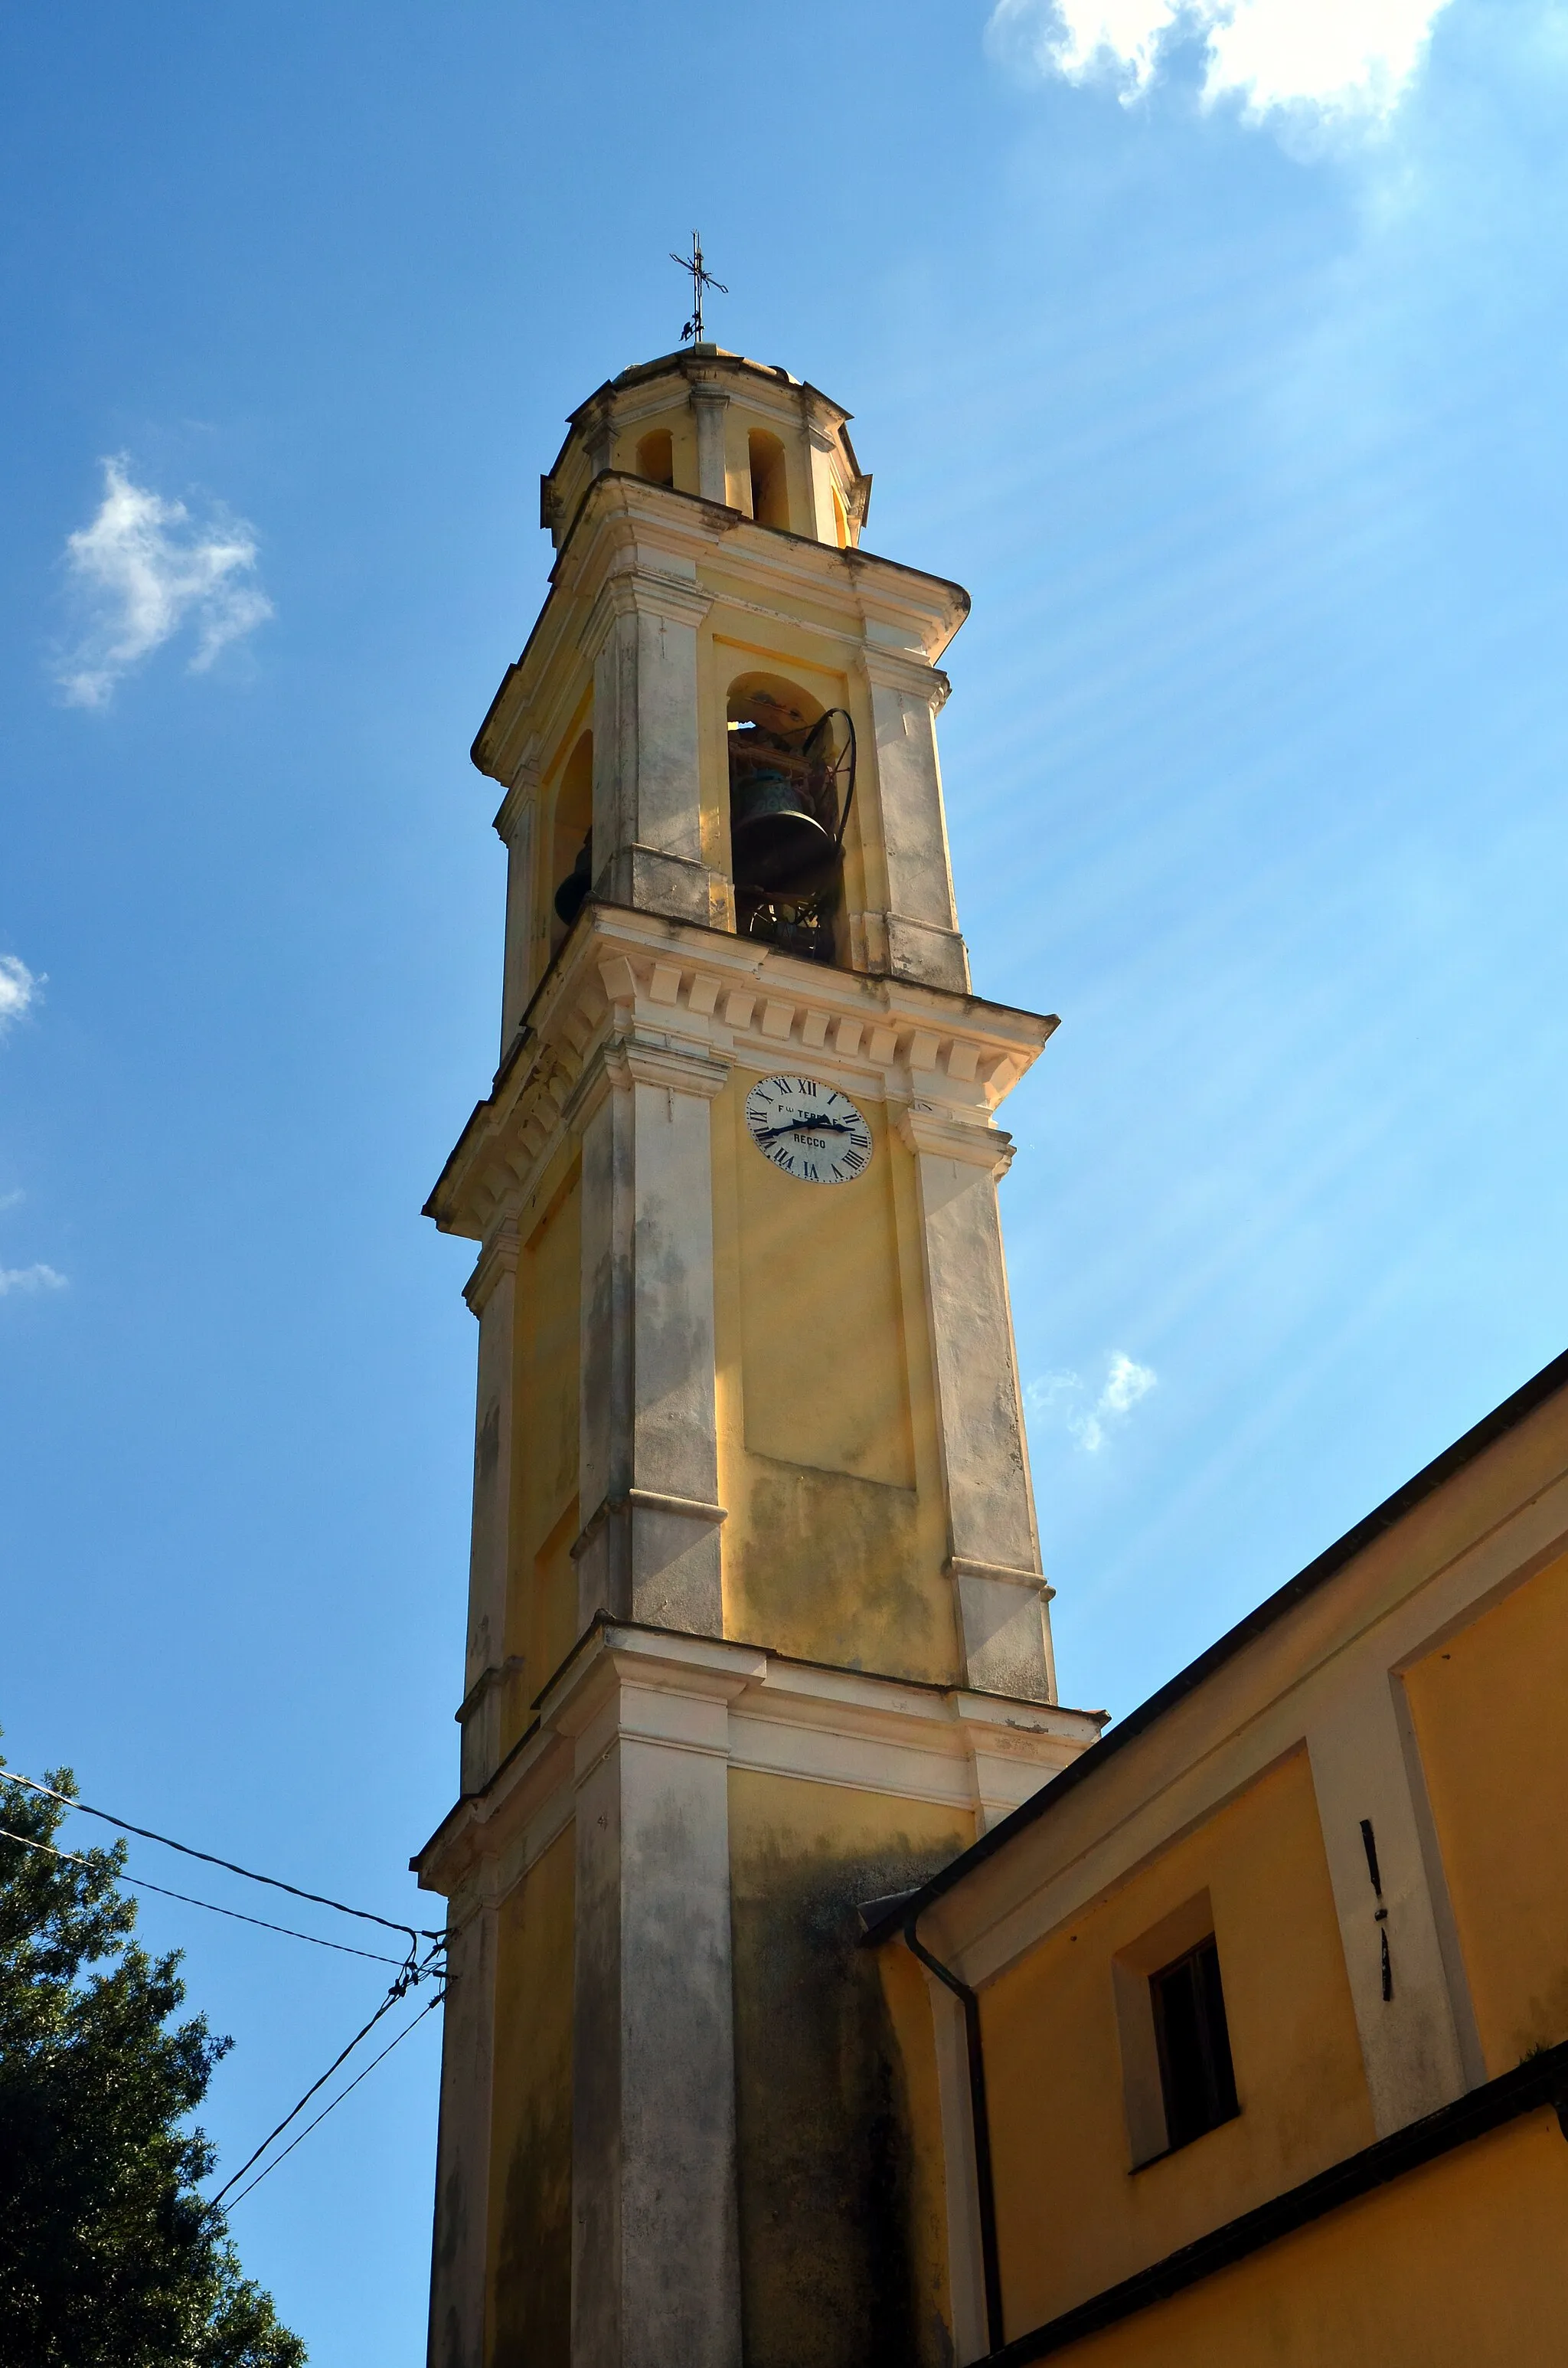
{"x": 811, "y": 1131}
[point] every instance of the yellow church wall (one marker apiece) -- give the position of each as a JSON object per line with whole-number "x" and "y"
{"x": 541, "y": 1623}
{"x": 835, "y": 1536}
{"x": 531, "y": 2232}
{"x": 1488, "y": 1712}
{"x": 1072, "y": 2215}
{"x": 842, "y": 2229}
{"x": 1458, "y": 2265}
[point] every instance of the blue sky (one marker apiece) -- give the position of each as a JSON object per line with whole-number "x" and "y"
{"x": 1217, "y": 351}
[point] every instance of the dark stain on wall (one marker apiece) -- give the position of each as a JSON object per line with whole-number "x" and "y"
{"x": 533, "y": 2273}
{"x": 828, "y": 1574}
{"x": 827, "y": 2273}
{"x": 452, "y": 2220}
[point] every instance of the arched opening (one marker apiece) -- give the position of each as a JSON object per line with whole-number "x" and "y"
{"x": 769, "y": 493}
{"x": 840, "y": 520}
{"x": 572, "y": 839}
{"x": 656, "y": 457}
{"x": 791, "y": 780}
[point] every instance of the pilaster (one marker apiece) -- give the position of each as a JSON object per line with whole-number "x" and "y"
{"x": 709, "y": 404}
{"x": 1411, "y": 2043}
{"x": 649, "y": 1450}
{"x": 459, "y": 2245}
{"x": 966, "y": 2253}
{"x": 491, "y": 1292}
{"x": 993, "y": 1544}
{"x": 655, "y": 2262}
{"x": 923, "y": 940}
{"x": 647, "y": 812}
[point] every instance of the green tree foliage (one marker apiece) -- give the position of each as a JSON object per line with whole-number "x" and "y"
{"x": 108, "y": 2257}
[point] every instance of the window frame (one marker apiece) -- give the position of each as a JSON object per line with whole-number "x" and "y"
{"x": 1211, "y": 2069}
{"x": 1133, "y": 1968}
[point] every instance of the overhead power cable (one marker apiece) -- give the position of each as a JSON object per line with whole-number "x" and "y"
{"x": 140, "y": 1883}
{"x": 430, "y": 2004}
{"x": 405, "y": 1981}
{"x": 143, "y": 1833}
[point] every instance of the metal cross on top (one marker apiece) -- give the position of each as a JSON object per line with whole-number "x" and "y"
{"x": 700, "y": 280}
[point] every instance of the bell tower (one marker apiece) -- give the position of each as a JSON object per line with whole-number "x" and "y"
{"x": 757, "y": 1625}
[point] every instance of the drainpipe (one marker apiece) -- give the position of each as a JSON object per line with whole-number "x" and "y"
{"x": 981, "y": 2124}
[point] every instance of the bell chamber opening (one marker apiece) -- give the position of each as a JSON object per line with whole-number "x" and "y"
{"x": 572, "y": 839}
{"x": 655, "y": 457}
{"x": 791, "y": 786}
{"x": 769, "y": 478}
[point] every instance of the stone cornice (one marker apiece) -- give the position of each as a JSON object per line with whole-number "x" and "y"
{"x": 904, "y": 670}
{"x": 637, "y": 531}
{"x": 788, "y": 1717}
{"x": 498, "y": 1258}
{"x": 941, "y": 1136}
{"x": 633, "y": 1060}
{"x": 524, "y": 789}
{"x": 632, "y": 587}
{"x": 688, "y": 1003}
{"x": 1005, "y": 1573}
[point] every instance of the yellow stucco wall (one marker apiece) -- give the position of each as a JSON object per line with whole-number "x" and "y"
{"x": 1072, "y": 2215}
{"x": 822, "y": 1316}
{"x": 541, "y": 1623}
{"x": 1460, "y": 2265}
{"x": 835, "y": 1538}
{"x": 530, "y": 2228}
{"x": 842, "y": 2249}
{"x": 1488, "y": 1708}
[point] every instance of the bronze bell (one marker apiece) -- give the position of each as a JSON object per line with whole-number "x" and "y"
{"x": 573, "y": 889}
{"x": 777, "y": 842}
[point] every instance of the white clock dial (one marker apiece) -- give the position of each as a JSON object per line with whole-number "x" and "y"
{"x": 811, "y": 1131}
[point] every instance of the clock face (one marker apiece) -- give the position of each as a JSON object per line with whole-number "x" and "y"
{"x": 811, "y": 1131}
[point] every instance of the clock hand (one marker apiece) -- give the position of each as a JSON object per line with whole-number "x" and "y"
{"x": 808, "y": 1126}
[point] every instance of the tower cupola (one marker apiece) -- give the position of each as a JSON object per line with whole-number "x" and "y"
{"x": 744, "y": 434}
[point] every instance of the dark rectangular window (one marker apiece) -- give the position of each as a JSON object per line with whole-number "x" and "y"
{"x": 1195, "y": 2047}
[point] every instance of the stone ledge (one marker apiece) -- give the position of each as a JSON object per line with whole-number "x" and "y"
{"x": 694, "y": 995}
{"x": 803, "y": 1720}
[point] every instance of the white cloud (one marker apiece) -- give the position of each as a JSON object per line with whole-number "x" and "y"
{"x": 1125, "y": 1384}
{"x": 1348, "y": 59}
{"x": 144, "y": 568}
{"x": 1067, "y": 1398}
{"x": 19, "y": 986}
{"x": 30, "y": 1277}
